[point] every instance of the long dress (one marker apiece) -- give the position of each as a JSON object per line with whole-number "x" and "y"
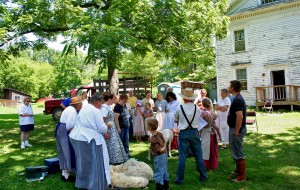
{"x": 209, "y": 141}
{"x": 92, "y": 160}
{"x": 169, "y": 122}
{"x": 161, "y": 106}
{"x": 65, "y": 150}
{"x": 138, "y": 126}
{"x": 116, "y": 151}
{"x": 221, "y": 120}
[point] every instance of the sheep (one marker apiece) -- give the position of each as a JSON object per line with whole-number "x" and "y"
{"x": 131, "y": 174}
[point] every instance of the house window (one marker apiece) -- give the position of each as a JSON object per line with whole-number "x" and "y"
{"x": 267, "y": 1}
{"x": 239, "y": 40}
{"x": 241, "y": 75}
{"x": 17, "y": 98}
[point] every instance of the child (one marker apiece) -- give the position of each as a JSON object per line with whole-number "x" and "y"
{"x": 148, "y": 113}
{"x": 158, "y": 149}
{"x": 138, "y": 127}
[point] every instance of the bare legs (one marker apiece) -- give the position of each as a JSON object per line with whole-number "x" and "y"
{"x": 25, "y": 139}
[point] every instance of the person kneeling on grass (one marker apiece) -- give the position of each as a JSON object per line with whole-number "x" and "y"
{"x": 158, "y": 149}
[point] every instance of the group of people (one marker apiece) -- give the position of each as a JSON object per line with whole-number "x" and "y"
{"x": 89, "y": 138}
{"x": 229, "y": 125}
{"x": 144, "y": 110}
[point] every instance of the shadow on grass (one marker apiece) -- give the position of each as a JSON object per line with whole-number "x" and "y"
{"x": 272, "y": 160}
{"x": 272, "y": 163}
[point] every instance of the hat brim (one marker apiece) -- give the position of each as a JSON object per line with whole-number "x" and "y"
{"x": 188, "y": 97}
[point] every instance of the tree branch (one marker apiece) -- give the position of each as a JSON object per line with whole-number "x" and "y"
{"x": 46, "y": 30}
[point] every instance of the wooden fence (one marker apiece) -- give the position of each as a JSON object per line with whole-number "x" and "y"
{"x": 8, "y": 103}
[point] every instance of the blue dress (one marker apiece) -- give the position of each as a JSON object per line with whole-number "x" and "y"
{"x": 116, "y": 151}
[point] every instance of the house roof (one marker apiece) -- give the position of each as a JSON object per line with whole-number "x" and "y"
{"x": 14, "y": 90}
{"x": 264, "y": 9}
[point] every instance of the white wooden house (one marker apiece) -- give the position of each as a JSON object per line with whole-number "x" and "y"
{"x": 262, "y": 50}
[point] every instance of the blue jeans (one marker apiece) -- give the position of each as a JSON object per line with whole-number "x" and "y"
{"x": 236, "y": 143}
{"x": 189, "y": 138}
{"x": 124, "y": 136}
{"x": 161, "y": 168}
{"x": 131, "y": 127}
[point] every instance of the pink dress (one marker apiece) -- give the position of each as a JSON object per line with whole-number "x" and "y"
{"x": 138, "y": 127}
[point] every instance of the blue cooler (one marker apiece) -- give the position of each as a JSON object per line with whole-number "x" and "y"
{"x": 53, "y": 165}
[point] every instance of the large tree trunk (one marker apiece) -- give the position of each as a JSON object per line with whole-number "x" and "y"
{"x": 112, "y": 72}
{"x": 113, "y": 81}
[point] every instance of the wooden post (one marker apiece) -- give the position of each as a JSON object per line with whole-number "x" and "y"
{"x": 256, "y": 98}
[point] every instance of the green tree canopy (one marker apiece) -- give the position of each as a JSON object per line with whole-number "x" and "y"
{"x": 182, "y": 31}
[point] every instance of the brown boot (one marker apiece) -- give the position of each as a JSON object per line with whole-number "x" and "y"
{"x": 241, "y": 171}
{"x": 235, "y": 171}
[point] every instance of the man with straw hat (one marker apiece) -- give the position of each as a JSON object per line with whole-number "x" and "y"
{"x": 187, "y": 118}
{"x": 64, "y": 148}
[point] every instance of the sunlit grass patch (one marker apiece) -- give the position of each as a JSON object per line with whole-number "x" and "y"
{"x": 271, "y": 156}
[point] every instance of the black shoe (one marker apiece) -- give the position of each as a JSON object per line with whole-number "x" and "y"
{"x": 159, "y": 186}
{"x": 202, "y": 179}
{"x": 166, "y": 185}
{"x": 177, "y": 182}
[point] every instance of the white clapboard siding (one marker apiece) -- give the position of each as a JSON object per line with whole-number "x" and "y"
{"x": 272, "y": 43}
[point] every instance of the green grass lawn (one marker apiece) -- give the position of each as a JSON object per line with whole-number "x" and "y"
{"x": 272, "y": 156}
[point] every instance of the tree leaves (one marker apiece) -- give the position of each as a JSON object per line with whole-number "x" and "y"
{"x": 180, "y": 31}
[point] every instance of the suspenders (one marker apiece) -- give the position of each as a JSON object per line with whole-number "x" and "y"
{"x": 190, "y": 123}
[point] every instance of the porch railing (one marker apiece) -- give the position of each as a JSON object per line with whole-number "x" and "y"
{"x": 279, "y": 94}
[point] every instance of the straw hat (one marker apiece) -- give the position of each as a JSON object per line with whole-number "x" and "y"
{"x": 188, "y": 94}
{"x": 76, "y": 100}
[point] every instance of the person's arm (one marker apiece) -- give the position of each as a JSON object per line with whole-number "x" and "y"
{"x": 116, "y": 118}
{"x": 22, "y": 114}
{"x": 70, "y": 121}
{"x": 25, "y": 115}
{"x": 176, "y": 116}
{"x": 106, "y": 135}
{"x": 63, "y": 106}
{"x": 223, "y": 108}
{"x": 151, "y": 114}
{"x": 135, "y": 111}
{"x": 238, "y": 122}
{"x": 101, "y": 127}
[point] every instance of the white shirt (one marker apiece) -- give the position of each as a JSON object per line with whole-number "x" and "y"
{"x": 68, "y": 117}
{"x": 85, "y": 102}
{"x": 90, "y": 125}
{"x": 222, "y": 116}
{"x": 23, "y": 109}
{"x": 189, "y": 109}
{"x": 104, "y": 110}
{"x": 150, "y": 101}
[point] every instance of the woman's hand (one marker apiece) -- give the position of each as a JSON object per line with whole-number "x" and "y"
{"x": 106, "y": 136}
{"x": 119, "y": 130}
{"x": 109, "y": 124}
